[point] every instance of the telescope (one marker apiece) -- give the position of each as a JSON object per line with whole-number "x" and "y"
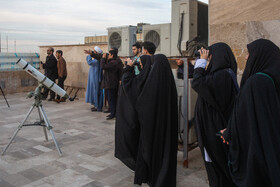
{"x": 43, "y": 79}
{"x": 44, "y": 122}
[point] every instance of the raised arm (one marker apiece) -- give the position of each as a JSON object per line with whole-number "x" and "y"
{"x": 92, "y": 62}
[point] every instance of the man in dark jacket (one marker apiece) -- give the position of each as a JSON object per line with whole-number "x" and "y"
{"x": 120, "y": 73}
{"x": 110, "y": 80}
{"x": 120, "y": 64}
{"x": 50, "y": 71}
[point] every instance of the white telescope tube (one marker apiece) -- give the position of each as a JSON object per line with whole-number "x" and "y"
{"x": 41, "y": 78}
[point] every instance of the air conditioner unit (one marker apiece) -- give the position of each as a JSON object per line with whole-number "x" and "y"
{"x": 122, "y": 38}
{"x": 160, "y": 35}
{"x": 195, "y": 23}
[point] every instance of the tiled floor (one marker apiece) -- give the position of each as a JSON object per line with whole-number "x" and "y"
{"x": 87, "y": 143}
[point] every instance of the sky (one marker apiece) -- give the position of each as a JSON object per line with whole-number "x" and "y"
{"x": 32, "y": 23}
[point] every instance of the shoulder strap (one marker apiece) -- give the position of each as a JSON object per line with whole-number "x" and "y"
{"x": 264, "y": 74}
{"x": 234, "y": 78}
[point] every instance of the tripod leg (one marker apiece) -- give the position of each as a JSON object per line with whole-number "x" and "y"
{"x": 44, "y": 128}
{"x": 19, "y": 127}
{"x": 4, "y": 96}
{"x": 49, "y": 128}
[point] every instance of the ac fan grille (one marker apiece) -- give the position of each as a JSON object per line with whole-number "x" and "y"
{"x": 153, "y": 36}
{"x": 115, "y": 40}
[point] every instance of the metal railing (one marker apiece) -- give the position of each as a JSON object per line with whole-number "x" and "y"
{"x": 8, "y": 60}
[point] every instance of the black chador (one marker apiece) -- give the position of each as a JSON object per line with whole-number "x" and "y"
{"x": 216, "y": 87}
{"x": 254, "y": 129}
{"x": 146, "y": 123}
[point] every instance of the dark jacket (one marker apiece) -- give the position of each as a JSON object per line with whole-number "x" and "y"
{"x": 120, "y": 68}
{"x": 51, "y": 67}
{"x": 111, "y": 73}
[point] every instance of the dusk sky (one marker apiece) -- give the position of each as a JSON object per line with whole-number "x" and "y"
{"x": 32, "y": 23}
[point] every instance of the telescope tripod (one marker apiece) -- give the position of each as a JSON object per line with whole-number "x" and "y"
{"x": 44, "y": 122}
{"x": 4, "y": 96}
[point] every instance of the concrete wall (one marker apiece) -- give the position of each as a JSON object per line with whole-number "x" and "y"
{"x": 77, "y": 66}
{"x": 16, "y": 82}
{"x": 239, "y": 22}
{"x": 12, "y": 78}
{"x": 94, "y": 39}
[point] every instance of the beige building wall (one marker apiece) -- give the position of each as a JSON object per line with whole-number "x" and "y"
{"x": 16, "y": 82}
{"x": 77, "y": 67}
{"x": 94, "y": 39}
{"x": 239, "y": 22}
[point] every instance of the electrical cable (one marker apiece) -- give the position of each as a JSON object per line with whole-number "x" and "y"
{"x": 180, "y": 36}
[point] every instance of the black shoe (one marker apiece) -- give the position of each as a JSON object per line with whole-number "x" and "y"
{"x": 43, "y": 98}
{"x": 50, "y": 99}
{"x": 107, "y": 111}
{"x": 110, "y": 117}
{"x": 93, "y": 109}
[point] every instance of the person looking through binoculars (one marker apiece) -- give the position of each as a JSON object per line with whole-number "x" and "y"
{"x": 110, "y": 65}
{"x": 216, "y": 86}
{"x": 94, "y": 93}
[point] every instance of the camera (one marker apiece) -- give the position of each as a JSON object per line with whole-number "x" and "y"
{"x": 197, "y": 54}
{"x": 131, "y": 58}
{"x": 136, "y": 63}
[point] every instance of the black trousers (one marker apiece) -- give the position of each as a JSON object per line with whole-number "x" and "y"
{"x": 60, "y": 84}
{"x": 46, "y": 91}
{"x": 112, "y": 100}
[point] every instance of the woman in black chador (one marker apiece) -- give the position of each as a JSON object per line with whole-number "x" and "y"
{"x": 254, "y": 128}
{"x": 147, "y": 120}
{"x": 217, "y": 87}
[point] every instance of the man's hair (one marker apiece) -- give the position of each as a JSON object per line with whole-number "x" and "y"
{"x": 116, "y": 49}
{"x": 137, "y": 45}
{"x": 114, "y": 53}
{"x": 52, "y": 49}
{"x": 60, "y": 52}
{"x": 150, "y": 47}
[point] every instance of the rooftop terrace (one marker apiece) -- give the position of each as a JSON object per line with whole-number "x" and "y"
{"x": 87, "y": 143}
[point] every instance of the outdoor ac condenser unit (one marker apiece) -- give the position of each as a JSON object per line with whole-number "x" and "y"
{"x": 195, "y": 23}
{"x": 160, "y": 35}
{"x": 122, "y": 38}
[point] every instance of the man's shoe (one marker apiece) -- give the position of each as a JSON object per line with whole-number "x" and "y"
{"x": 110, "y": 117}
{"x": 62, "y": 100}
{"x": 93, "y": 109}
{"x": 106, "y": 111}
{"x": 50, "y": 99}
{"x": 43, "y": 98}
{"x": 57, "y": 100}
